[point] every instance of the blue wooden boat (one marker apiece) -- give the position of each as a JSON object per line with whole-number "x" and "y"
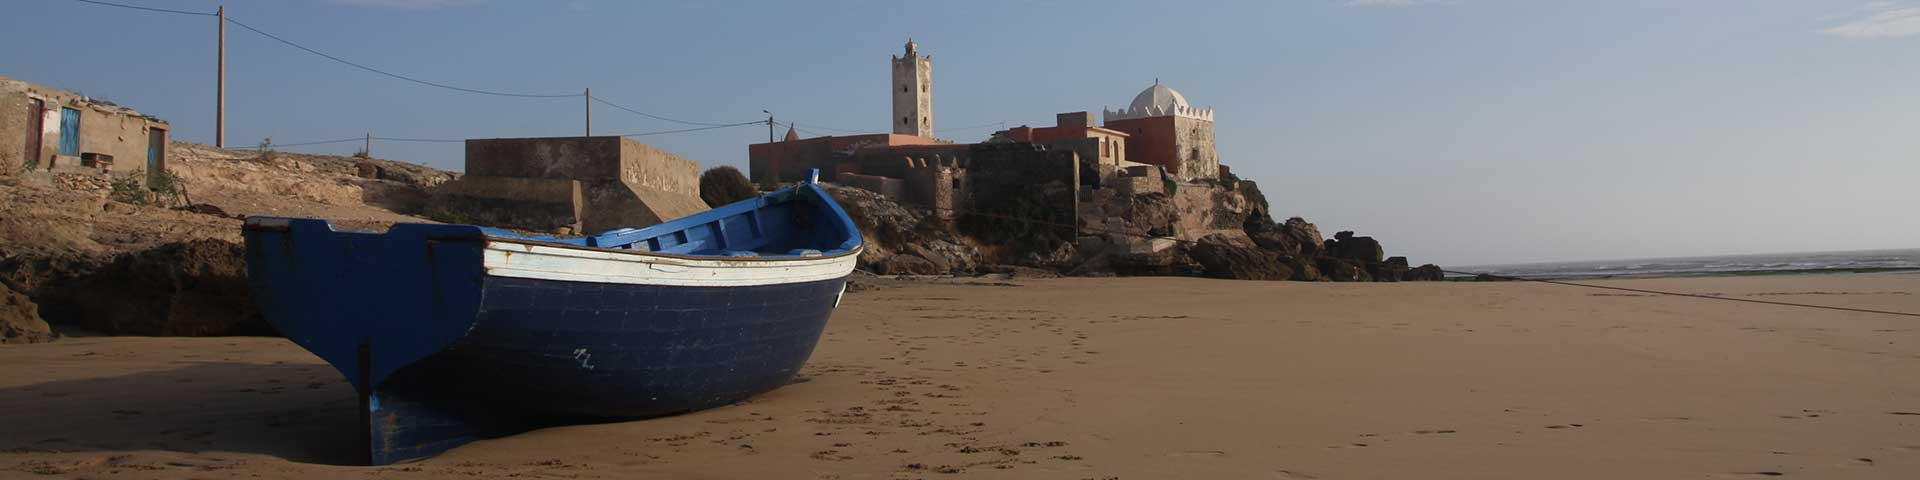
{"x": 453, "y": 333}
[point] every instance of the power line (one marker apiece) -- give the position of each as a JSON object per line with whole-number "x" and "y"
{"x": 831, "y": 129}
{"x": 391, "y": 74}
{"x": 657, "y": 117}
{"x": 301, "y": 144}
{"x": 422, "y": 140}
{"x": 695, "y": 129}
{"x": 150, "y": 9}
{"x": 970, "y": 127}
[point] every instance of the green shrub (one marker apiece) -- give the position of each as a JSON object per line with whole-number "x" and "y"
{"x": 723, "y": 185}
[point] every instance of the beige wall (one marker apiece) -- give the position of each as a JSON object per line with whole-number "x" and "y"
{"x": 645, "y": 166}
{"x": 621, "y": 183}
{"x": 106, "y": 129}
{"x": 1195, "y": 147}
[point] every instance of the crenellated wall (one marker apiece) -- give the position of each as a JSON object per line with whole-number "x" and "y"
{"x": 1158, "y": 111}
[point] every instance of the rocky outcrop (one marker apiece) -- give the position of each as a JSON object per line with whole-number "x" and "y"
{"x": 1364, "y": 250}
{"x": 1216, "y": 229}
{"x": 191, "y": 288}
{"x": 20, "y": 319}
{"x": 1221, "y": 256}
{"x": 1342, "y": 270}
{"x": 903, "y": 239}
{"x": 1426, "y": 273}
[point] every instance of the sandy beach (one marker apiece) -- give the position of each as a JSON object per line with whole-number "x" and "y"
{"x": 1125, "y": 378}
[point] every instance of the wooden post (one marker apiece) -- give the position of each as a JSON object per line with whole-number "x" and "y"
{"x": 365, "y": 388}
{"x": 589, "y": 98}
{"x": 368, "y": 147}
{"x": 220, "y": 85}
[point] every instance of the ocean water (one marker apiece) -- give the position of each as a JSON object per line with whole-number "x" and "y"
{"x": 1812, "y": 262}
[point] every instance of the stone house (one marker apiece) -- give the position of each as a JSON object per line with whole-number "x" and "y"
{"x": 573, "y": 184}
{"x": 43, "y": 128}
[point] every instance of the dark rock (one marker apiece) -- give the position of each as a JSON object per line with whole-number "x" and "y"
{"x": 1303, "y": 269}
{"x": 905, "y": 264}
{"x": 1342, "y": 270}
{"x": 208, "y": 209}
{"x": 20, "y": 319}
{"x": 940, "y": 262}
{"x": 194, "y": 288}
{"x": 1305, "y": 234}
{"x": 1392, "y": 270}
{"x": 1426, "y": 273}
{"x": 1166, "y": 263}
{"x": 1365, "y": 250}
{"x": 1221, "y": 258}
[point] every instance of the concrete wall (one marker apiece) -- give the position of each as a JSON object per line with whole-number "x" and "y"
{"x": 104, "y": 128}
{"x": 541, "y": 204}
{"x": 575, "y": 158}
{"x": 643, "y": 165}
{"x": 620, "y": 183}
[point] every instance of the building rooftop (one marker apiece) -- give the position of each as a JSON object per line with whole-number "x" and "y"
{"x": 1160, "y": 97}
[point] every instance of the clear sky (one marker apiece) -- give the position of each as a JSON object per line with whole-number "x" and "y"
{"x": 1458, "y": 132}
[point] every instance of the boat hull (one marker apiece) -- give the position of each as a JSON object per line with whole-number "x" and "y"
{"x": 453, "y": 333}
{"x": 552, "y": 352}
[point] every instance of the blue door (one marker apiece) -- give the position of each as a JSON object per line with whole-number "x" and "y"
{"x": 156, "y": 155}
{"x": 69, "y": 132}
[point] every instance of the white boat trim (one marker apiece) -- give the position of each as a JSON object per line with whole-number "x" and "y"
{"x": 523, "y": 260}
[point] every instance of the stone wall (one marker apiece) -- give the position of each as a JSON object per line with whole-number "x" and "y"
{"x": 891, "y": 188}
{"x": 1198, "y": 157}
{"x": 542, "y": 204}
{"x": 602, "y": 183}
{"x": 104, "y": 128}
{"x": 1021, "y": 181}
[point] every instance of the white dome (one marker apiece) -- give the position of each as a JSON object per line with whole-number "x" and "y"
{"x": 1158, "y": 96}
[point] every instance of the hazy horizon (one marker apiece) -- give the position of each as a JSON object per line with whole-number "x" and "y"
{"x": 1460, "y": 132}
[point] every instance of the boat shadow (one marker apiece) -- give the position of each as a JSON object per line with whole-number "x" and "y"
{"x": 299, "y": 412}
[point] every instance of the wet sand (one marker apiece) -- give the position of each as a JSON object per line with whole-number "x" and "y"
{"x": 1131, "y": 378}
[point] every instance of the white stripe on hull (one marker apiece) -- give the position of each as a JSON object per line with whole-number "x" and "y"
{"x": 521, "y": 260}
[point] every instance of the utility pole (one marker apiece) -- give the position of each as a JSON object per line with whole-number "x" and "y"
{"x": 368, "y": 147}
{"x": 220, "y": 85}
{"x": 769, "y": 125}
{"x": 589, "y": 98}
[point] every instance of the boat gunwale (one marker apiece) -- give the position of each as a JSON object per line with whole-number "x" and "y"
{"x": 489, "y": 239}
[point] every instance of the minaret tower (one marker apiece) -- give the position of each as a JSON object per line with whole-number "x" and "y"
{"x": 913, "y": 93}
